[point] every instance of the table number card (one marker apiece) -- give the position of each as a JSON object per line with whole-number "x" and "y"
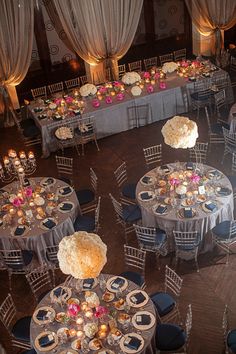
{"x": 201, "y": 190}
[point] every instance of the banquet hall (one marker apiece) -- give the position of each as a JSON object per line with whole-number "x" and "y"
{"x": 117, "y": 176}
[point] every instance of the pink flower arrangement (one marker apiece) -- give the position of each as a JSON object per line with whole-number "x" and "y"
{"x": 28, "y": 192}
{"x": 102, "y": 89}
{"x": 162, "y": 85}
{"x": 17, "y": 202}
{"x": 195, "y": 178}
{"x": 146, "y": 75}
{"x": 69, "y": 99}
{"x": 108, "y": 99}
{"x": 174, "y": 181}
{"x": 96, "y": 103}
{"x": 101, "y": 311}
{"x": 73, "y": 310}
{"x": 156, "y": 76}
{"x": 116, "y": 83}
{"x": 184, "y": 64}
{"x": 150, "y": 89}
{"x": 196, "y": 63}
{"x": 120, "y": 96}
{"x": 57, "y": 101}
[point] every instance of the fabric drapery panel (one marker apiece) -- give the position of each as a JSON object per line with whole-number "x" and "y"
{"x": 16, "y": 38}
{"x": 212, "y": 17}
{"x": 99, "y": 29}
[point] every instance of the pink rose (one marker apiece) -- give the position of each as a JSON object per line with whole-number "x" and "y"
{"x": 108, "y": 99}
{"x": 174, "y": 181}
{"x": 150, "y": 89}
{"x": 96, "y": 103}
{"x": 100, "y": 311}
{"x": 73, "y": 310}
{"x": 102, "y": 89}
{"x": 17, "y": 202}
{"x": 69, "y": 99}
{"x": 28, "y": 192}
{"x": 156, "y": 76}
{"x": 57, "y": 101}
{"x": 120, "y": 96}
{"x": 116, "y": 83}
{"x": 195, "y": 178}
{"x": 184, "y": 64}
{"x": 162, "y": 85}
{"x": 146, "y": 75}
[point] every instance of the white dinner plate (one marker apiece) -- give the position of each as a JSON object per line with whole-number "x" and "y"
{"x": 128, "y": 350}
{"x": 46, "y": 320}
{"x": 60, "y": 207}
{"x": 150, "y": 180}
{"x": 47, "y": 181}
{"x": 130, "y": 298}
{"x": 150, "y": 194}
{"x": 42, "y": 226}
{"x": 204, "y": 208}
{"x": 48, "y": 347}
{"x": 154, "y": 208}
{"x": 144, "y": 327}
{"x": 61, "y": 191}
{"x": 20, "y": 227}
{"x": 64, "y": 297}
{"x": 111, "y": 281}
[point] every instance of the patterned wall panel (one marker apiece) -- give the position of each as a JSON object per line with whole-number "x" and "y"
{"x": 140, "y": 33}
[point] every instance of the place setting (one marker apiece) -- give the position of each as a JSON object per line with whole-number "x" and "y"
{"x": 48, "y": 223}
{"x": 147, "y": 180}
{"x": 146, "y": 196}
{"x": 117, "y": 283}
{"x": 64, "y": 191}
{"x": 160, "y": 209}
{"x": 65, "y": 207}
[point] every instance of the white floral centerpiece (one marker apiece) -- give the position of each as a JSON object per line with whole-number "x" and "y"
{"x": 88, "y": 89}
{"x": 92, "y": 299}
{"x": 130, "y": 78}
{"x": 181, "y": 189}
{"x": 180, "y": 132}
{"x": 82, "y": 255}
{"x": 136, "y": 91}
{"x": 169, "y": 67}
{"x": 90, "y": 329}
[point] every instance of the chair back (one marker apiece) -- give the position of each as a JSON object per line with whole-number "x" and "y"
{"x": 83, "y": 80}
{"x": 180, "y": 54}
{"x": 135, "y": 258}
{"x": 64, "y": 166}
{"x": 8, "y": 313}
{"x": 208, "y": 119}
{"x": 165, "y": 58}
{"x": 121, "y": 174}
{"x": 146, "y": 237}
{"x": 230, "y": 138}
{"x": 117, "y": 207}
{"x": 97, "y": 214}
{"x": 72, "y": 83}
{"x": 186, "y": 240}
{"x": 39, "y": 92}
{"x": 233, "y": 167}
{"x": 232, "y": 231}
{"x": 93, "y": 180}
{"x": 121, "y": 70}
{"x": 153, "y": 155}
{"x": 51, "y": 254}
{"x": 173, "y": 282}
{"x": 135, "y": 66}
{"x": 39, "y": 280}
{"x": 150, "y": 62}
{"x": 188, "y": 323}
{"x": 86, "y": 129}
{"x": 199, "y": 152}
{"x": 57, "y": 87}
{"x": 232, "y": 63}
{"x": 13, "y": 260}
{"x": 220, "y": 99}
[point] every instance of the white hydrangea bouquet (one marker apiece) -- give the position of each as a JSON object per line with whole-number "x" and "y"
{"x": 130, "y": 78}
{"x": 87, "y": 89}
{"x": 90, "y": 329}
{"x": 169, "y": 67}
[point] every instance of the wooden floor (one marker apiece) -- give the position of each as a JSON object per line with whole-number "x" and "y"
{"x": 208, "y": 291}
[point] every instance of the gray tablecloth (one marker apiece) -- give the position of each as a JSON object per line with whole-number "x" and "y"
{"x": 113, "y": 118}
{"x": 232, "y": 118}
{"x": 37, "y": 238}
{"x": 202, "y": 222}
{"x": 148, "y": 335}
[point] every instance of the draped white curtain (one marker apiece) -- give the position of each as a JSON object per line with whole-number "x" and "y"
{"x": 16, "y": 39}
{"x": 99, "y": 30}
{"x": 213, "y": 17}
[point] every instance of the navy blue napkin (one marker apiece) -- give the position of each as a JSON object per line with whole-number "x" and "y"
{"x": 134, "y": 343}
{"x": 188, "y": 213}
{"x": 161, "y": 209}
{"x": 41, "y": 315}
{"x": 45, "y": 341}
{"x": 165, "y": 168}
{"x": 66, "y": 190}
{"x": 117, "y": 283}
{"x": 138, "y": 298}
{"x": 88, "y": 283}
{"x": 49, "y": 224}
{"x": 146, "y": 196}
{"x": 143, "y": 319}
{"x": 224, "y": 191}
{"x": 19, "y": 230}
{"x": 26, "y": 182}
{"x": 146, "y": 179}
{"x": 49, "y": 180}
{"x": 59, "y": 292}
{"x": 215, "y": 173}
{"x": 210, "y": 206}
{"x": 189, "y": 165}
{"x": 66, "y": 206}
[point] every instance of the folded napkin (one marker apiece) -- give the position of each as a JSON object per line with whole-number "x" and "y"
{"x": 143, "y": 319}
{"x": 19, "y": 230}
{"x": 26, "y": 182}
{"x": 145, "y": 196}
{"x": 189, "y": 166}
{"x": 49, "y": 180}
{"x": 132, "y": 343}
{"x": 47, "y": 340}
{"x": 36, "y": 110}
{"x": 210, "y": 206}
{"x": 138, "y": 298}
{"x": 66, "y": 206}
{"x": 42, "y": 116}
{"x": 117, "y": 283}
{"x": 42, "y": 315}
{"x": 214, "y": 173}
{"x": 146, "y": 179}
{"x": 188, "y": 213}
{"x": 161, "y": 209}
{"x": 59, "y": 292}
{"x": 223, "y": 191}
{"x": 65, "y": 190}
{"x": 49, "y": 223}
{"x": 88, "y": 283}
{"x": 165, "y": 168}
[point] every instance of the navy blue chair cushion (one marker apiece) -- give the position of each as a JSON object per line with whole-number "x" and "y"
{"x": 85, "y": 196}
{"x": 84, "y": 223}
{"x": 221, "y": 230}
{"x": 163, "y": 302}
{"x": 160, "y": 236}
{"x": 169, "y": 337}
{"x": 224, "y": 112}
{"x": 137, "y": 278}
{"x": 131, "y": 213}
{"x": 231, "y": 340}
{"x": 27, "y": 123}
{"x": 27, "y": 258}
{"x": 191, "y": 247}
{"x": 31, "y": 351}
{"x": 31, "y": 131}
{"x": 21, "y": 329}
{"x": 217, "y": 128}
{"x": 196, "y": 97}
{"x": 232, "y": 181}
{"x": 128, "y": 190}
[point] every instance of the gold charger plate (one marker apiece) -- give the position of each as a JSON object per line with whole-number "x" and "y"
{"x": 49, "y": 347}
{"x": 44, "y": 308}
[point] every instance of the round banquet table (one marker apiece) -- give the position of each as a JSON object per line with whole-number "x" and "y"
{"x": 36, "y": 238}
{"x": 202, "y": 222}
{"x": 147, "y": 335}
